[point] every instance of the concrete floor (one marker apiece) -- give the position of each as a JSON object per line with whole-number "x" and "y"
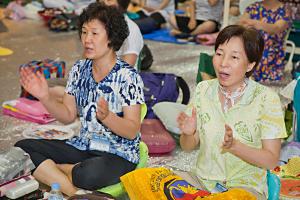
{"x": 31, "y": 40}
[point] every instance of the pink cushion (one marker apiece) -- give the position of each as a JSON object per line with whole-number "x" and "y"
{"x": 157, "y": 138}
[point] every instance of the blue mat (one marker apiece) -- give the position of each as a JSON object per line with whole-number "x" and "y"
{"x": 162, "y": 35}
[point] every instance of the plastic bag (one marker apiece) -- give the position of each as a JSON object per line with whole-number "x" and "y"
{"x": 14, "y": 163}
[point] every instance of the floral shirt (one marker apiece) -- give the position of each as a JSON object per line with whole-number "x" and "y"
{"x": 272, "y": 63}
{"x": 121, "y": 87}
{"x": 257, "y": 116}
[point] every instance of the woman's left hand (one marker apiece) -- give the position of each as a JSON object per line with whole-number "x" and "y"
{"x": 102, "y": 109}
{"x": 228, "y": 138}
{"x": 192, "y": 24}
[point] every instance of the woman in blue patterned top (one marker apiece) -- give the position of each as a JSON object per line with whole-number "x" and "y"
{"x": 106, "y": 93}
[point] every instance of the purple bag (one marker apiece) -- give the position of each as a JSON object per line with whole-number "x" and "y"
{"x": 159, "y": 87}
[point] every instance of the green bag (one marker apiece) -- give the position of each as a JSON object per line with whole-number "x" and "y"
{"x": 205, "y": 66}
{"x": 288, "y": 119}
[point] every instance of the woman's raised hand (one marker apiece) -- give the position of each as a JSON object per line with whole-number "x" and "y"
{"x": 187, "y": 124}
{"x": 102, "y": 109}
{"x": 228, "y": 138}
{"x": 34, "y": 83}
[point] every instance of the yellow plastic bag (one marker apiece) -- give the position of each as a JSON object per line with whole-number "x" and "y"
{"x": 163, "y": 184}
{"x": 233, "y": 194}
{"x": 158, "y": 184}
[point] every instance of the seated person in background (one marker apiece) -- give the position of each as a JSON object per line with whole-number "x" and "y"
{"x": 129, "y": 51}
{"x": 106, "y": 93}
{"x": 154, "y": 14}
{"x": 234, "y": 9}
{"x": 132, "y": 46}
{"x": 273, "y": 19}
{"x": 237, "y": 123}
{"x": 205, "y": 17}
{"x": 15, "y": 10}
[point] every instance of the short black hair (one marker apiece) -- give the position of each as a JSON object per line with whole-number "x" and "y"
{"x": 252, "y": 40}
{"x": 123, "y": 5}
{"x": 111, "y": 17}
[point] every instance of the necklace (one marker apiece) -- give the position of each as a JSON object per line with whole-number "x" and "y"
{"x": 231, "y": 97}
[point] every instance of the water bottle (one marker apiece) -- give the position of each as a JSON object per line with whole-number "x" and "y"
{"x": 55, "y": 193}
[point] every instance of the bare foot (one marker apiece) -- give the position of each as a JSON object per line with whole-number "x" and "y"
{"x": 175, "y": 32}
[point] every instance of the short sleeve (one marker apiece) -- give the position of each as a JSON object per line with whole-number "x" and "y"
{"x": 285, "y": 14}
{"x": 272, "y": 118}
{"x": 134, "y": 42}
{"x": 251, "y": 8}
{"x": 132, "y": 90}
{"x": 73, "y": 78}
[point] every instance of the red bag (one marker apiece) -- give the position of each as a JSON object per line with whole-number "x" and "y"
{"x": 157, "y": 138}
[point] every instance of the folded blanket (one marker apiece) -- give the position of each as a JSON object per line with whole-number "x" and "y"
{"x": 26, "y": 109}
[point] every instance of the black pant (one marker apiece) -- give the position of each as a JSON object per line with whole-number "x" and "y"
{"x": 150, "y": 23}
{"x": 183, "y": 21}
{"x": 94, "y": 170}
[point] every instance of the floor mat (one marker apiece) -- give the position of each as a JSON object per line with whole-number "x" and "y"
{"x": 3, "y": 28}
{"x": 163, "y": 35}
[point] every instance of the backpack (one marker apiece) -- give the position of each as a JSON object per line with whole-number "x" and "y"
{"x": 145, "y": 59}
{"x": 160, "y": 87}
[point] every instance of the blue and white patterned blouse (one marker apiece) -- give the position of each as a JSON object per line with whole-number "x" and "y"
{"x": 121, "y": 87}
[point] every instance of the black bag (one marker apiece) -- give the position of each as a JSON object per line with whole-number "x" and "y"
{"x": 145, "y": 58}
{"x": 63, "y": 22}
{"x": 150, "y": 23}
{"x": 159, "y": 87}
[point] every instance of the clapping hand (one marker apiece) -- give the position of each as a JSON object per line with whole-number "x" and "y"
{"x": 228, "y": 138}
{"x": 102, "y": 109}
{"x": 187, "y": 124}
{"x": 34, "y": 83}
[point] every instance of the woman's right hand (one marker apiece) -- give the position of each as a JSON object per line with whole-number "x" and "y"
{"x": 192, "y": 24}
{"x": 250, "y": 23}
{"x": 35, "y": 84}
{"x": 187, "y": 124}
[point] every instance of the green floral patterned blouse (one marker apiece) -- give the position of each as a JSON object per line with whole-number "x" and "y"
{"x": 257, "y": 116}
